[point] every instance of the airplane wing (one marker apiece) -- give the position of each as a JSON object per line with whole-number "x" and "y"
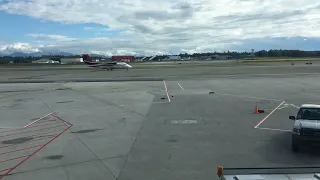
{"x": 111, "y": 63}
{"x": 104, "y": 64}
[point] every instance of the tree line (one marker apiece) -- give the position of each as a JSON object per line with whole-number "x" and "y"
{"x": 262, "y": 53}
{"x": 232, "y": 54}
{"x": 29, "y": 59}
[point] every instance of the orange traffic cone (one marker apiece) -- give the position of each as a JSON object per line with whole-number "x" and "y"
{"x": 256, "y": 111}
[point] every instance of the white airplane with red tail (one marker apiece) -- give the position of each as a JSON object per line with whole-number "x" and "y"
{"x": 105, "y": 65}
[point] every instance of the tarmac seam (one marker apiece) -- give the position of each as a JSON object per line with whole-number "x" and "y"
{"x": 84, "y": 143}
{"x": 135, "y": 139}
{"x": 45, "y": 104}
{"x": 110, "y": 103}
{"x": 113, "y": 157}
{"x": 95, "y": 155}
{"x": 80, "y": 141}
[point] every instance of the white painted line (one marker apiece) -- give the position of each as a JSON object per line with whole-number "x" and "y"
{"x": 268, "y": 115}
{"x": 294, "y": 106}
{"x": 184, "y": 122}
{"x": 160, "y": 102}
{"x": 282, "y": 107}
{"x": 180, "y": 86}
{"x": 165, "y": 86}
{"x": 287, "y": 105}
{"x": 271, "y": 129}
{"x": 37, "y": 120}
{"x": 243, "y": 96}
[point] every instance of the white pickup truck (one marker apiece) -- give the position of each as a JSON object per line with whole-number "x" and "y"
{"x": 306, "y": 127}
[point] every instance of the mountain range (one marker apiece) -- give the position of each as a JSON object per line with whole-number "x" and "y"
{"x": 40, "y": 54}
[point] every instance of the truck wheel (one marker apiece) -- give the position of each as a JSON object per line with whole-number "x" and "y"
{"x": 295, "y": 146}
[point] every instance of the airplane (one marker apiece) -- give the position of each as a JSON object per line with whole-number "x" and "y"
{"x": 105, "y": 65}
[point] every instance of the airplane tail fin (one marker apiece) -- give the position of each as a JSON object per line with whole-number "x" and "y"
{"x": 86, "y": 58}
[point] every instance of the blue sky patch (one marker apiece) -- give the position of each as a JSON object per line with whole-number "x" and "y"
{"x": 17, "y": 28}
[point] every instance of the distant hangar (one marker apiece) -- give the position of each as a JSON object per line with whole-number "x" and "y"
{"x": 123, "y": 58}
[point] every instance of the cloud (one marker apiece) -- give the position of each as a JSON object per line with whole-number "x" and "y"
{"x": 173, "y": 26}
{"x": 19, "y": 47}
{"x": 88, "y": 28}
{"x": 51, "y": 36}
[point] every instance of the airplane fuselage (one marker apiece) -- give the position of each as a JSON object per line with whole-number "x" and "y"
{"x": 111, "y": 66}
{"x": 105, "y": 65}
{"x": 115, "y": 67}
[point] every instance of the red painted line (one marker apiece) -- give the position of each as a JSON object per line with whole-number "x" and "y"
{"x": 54, "y": 115}
{"x": 5, "y": 170}
{"x": 35, "y": 135}
{"x": 45, "y": 133}
{"x": 2, "y": 175}
{"x": 13, "y": 159}
{"x": 31, "y": 131}
{"x": 19, "y": 149}
{"x": 262, "y": 120}
{"x": 35, "y": 152}
{"x": 67, "y": 122}
{"x": 11, "y": 130}
{"x": 62, "y": 119}
{"x": 38, "y": 120}
{"x": 26, "y": 142}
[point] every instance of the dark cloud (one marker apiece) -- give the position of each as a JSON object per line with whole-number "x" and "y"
{"x": 163, "y": 15}
{"x": 156, "y": 15}
{"x": 178, "y": 11}
{"x": 302, "y": 43}
{"x": 263, "y": 16}
{"x": 142, "y": 28}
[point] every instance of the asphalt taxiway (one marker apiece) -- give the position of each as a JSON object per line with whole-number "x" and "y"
{"x": 181, "y": 125}
{"x": 84, "y": 74}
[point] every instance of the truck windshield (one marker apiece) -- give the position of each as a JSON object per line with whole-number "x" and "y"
{"x": 309, "y": 114}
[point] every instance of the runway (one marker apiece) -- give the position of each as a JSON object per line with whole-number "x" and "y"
{"x": 166, "y": 123}
{"x": 85, "y": 74}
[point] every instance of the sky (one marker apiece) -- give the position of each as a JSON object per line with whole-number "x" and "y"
{"x": 152, "y": 27}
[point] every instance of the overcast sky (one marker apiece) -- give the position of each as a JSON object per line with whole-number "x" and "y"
{"x": 145, "y": 27}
